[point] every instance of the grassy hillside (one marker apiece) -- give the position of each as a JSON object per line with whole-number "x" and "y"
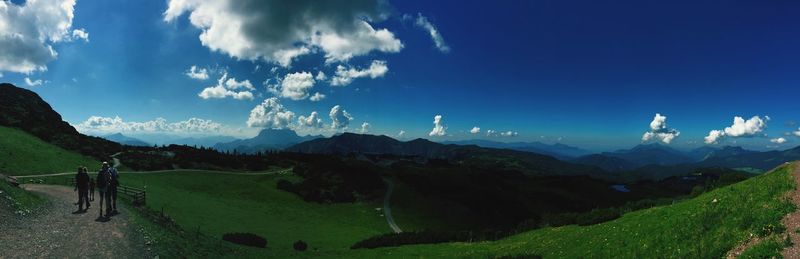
{"x": 25, "y": 154}
{"x": 704, "y": 227}
{"x": 217, "y": 204}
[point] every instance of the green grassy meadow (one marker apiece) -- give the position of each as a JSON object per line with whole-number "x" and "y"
{"x": 695, "y": 228}
{"x": 25, "y": 154}
{"x": 216, "y": 204}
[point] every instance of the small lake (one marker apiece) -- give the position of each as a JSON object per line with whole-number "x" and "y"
{"x": 620, "y": 188}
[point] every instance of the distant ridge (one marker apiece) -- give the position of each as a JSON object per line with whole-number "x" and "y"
{"x": 267, "y": 139}
{"x": 125, "y": 140}
{"x": 487, "y": 158}
{"x": 557, "y": 150}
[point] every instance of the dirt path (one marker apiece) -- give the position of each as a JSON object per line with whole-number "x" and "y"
{"x": 792, "y": 221}
{"x": 282, "y": 171}
{"x": 387, "y": 210}
{"x": 57, "y": 231}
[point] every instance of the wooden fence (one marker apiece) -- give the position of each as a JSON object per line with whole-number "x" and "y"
{"x": 138, "y": 196}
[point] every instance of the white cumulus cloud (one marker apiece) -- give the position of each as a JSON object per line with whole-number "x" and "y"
{"x": 316, "y": 97}
{"x": 98, "y": 124}
{"x": 364, "y": 127}
{"x": 779, "y": 140}
{"x": 740, "y": 128}
{"x": 509, "y": 134}
{"x": 226, "y": 87}
{"x": 32, "y": 83}
{"x": 659, "y": 130}
{"x": 475, "y": 130}
{"x": 80, "y": 34}
{"x": 28, "y": 32}
{"x": 197, "y": 73}
{"x": 281, "y": 31}
{"x": 270, "y": 114}
{"x": 296, "y": 86}
{"x": 345, "y": 76}
{"x": 340, "y": 119}
{"x": 312, "y": 121}
{"x": 401, "y": 134}
{"x": 438, "y": 128}
{"x": 797, "y": 132}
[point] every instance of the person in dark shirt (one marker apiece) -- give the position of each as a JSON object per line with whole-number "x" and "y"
{"x": 112, "y": 190}
{"x": 82, "y": 186}
{"x": 103, "y": 181}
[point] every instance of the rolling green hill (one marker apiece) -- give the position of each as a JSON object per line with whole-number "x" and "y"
{"x": 704, "y": 227}
{"x": 24, "y": 154}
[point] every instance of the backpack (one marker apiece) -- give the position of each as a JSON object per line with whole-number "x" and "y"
{"x": 114, "y": 176}
{"x": 103, "y": 178}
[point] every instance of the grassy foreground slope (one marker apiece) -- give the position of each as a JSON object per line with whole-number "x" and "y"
{"x": 215, "y": 204}
{"x": 707, "y": 226}
{"x": 25, "y": 154}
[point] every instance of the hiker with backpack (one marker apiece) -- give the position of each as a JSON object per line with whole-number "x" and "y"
{"x": 82, "y": 187}
{"x": 103, "y": 182}
{"x": 112, "y": 190}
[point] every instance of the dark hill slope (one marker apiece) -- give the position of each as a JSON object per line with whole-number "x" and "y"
{"x": 489, "y": 158}
{"x": 25, "y": 110}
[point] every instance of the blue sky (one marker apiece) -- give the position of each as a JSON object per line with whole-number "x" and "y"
{"x": 583, "y": 73}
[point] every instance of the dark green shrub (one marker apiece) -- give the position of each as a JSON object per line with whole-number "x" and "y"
{"x": 300, "y": 245}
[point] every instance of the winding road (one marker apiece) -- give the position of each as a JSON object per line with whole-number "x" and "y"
{"x": 56, "y": 230}
{"x": 387, "y": 210}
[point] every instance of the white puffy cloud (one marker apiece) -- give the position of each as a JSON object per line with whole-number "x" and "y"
{"x": 345, "y": 76}
{"x": 80, "y": 34}
{"x": 28, "y": 32}
{"x": 321, "y": 76}
{"x": 740, "y": 128}
{"x": 364, "y": 127}
{"x": 97, "y": 124}
{"x": 295, "y": 86}
{"x": 437, "y": 38}
{"x": 226, "y": 87}
{"x": 197, "y": 73}
{"x": 281, "y": 31}
{"x": 340, "y": 119}
{"x": 316, "y": 97}
{"x": 659, "y": 130}
{"x": 33, "y": 83}
{"x": 270, "y": 114}
{"x": 475, "y": 130}
{"x": 401, "y": 134}
{"x": 312, "y": 121}
{"x": 797, "y": 132}
{"x": 509, "y": 134}
{"x": 779, "y": 140}
{"x": 438, "y": 128}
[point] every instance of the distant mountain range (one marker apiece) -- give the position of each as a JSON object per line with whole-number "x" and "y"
{"x": 486, "y": 158}
{"x": 267, "y": 139}
{"x": 557, "y": 150}
{"x": 125, "y": 140}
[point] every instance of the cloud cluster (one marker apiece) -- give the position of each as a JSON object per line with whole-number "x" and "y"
{"x": 475, "y": 130}
{"x": 509, "y": 134}
{"x": 295, "y": 86}
{"x": 438, "y": 128}
{"x": 340, "y": 119}
{"x": 779, "y": 140}
{"x": 312, "y": 121}
{"x": 197, "y": 73}
{"x": 33, "y": 83}
{"x": 345, "y": 76}
{"x": 97, "y": 124}
{"x": 227, "y": 87}
{"x": 740, "y": 128}
{"x": 437, "y": 38}
{"x": 270, "y": 114}
{"x": 659, "y": 130}
{"x": 281, "y": 31}
{"x": 797, "y": 132}
{"x": 364, "y": 127}
{"x": 316, "y": 97}
{"x": 27, "y": 33}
